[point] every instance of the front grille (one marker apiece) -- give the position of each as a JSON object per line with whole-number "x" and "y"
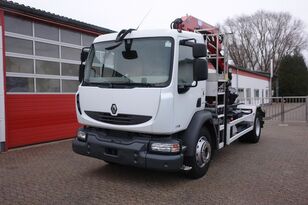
{"x": 120, "y": 119}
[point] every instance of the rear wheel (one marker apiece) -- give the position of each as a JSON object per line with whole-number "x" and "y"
{"x": 109, "y": 162}
{"x": 200, "y": 162}
{"x": 254, "y": 135}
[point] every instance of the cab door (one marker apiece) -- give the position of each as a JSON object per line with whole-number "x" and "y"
{"x": 190, "y": 95}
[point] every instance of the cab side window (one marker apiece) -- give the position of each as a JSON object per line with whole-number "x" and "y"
{"x": 185, "y": 68}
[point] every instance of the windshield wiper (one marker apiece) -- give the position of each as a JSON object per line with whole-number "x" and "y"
{"x": 129, "y": 84}
{"x": 101, "y": 85}
{"x": 132, "y": 84}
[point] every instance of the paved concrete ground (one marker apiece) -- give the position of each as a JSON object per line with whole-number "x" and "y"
{"x": 275, "y": 171}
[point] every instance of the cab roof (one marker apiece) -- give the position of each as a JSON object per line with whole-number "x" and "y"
{"x": 152, "y": 33}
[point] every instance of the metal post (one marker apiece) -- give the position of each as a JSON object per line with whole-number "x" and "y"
{"x": 306, "y": 108}
{"x": 282, "y": 109}
{"x": 236, "y": 79}
{"x": 277, "y": 87}
{"x": 270, "y": 92}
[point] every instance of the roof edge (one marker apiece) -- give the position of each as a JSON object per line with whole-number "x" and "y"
{"x": 260, "y": 73}
{"x": 10, "y": 5}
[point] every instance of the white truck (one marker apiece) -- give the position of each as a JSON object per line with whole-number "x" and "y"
{"x": 147, "y": 99}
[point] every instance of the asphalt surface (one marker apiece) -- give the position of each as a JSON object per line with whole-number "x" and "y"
{"x": 274, "y": 171}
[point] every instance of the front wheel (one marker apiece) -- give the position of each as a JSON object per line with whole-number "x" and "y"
{"x": 200, "y": 162}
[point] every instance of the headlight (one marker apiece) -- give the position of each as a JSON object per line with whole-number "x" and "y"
{"x": 165, "y": 147}
{"x": 82, "y": 136}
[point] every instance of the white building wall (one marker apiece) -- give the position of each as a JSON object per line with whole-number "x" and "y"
{"x": 257, "y": 87}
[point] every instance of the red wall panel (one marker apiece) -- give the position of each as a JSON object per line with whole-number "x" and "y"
{"x": 39, "y": 118}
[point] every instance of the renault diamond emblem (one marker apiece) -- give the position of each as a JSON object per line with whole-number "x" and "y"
{"x": 114, "y": 109}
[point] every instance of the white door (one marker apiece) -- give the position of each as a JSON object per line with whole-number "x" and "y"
{"x": 2, "y": 110}
{"x": 187, "y": 102}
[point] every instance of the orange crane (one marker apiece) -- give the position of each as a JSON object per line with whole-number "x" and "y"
{"x": 214, "y": 40}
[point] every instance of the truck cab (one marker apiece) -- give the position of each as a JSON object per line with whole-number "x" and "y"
{"x": 142, "y": 101}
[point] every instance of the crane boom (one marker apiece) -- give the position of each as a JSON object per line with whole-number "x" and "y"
{"x": 214, "y": 39}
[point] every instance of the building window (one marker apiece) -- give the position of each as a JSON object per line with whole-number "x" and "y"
{"x": 266, "y": 93}
{"x": 240, "y": 92}
{"x": 46, "y": 49}
{"x": 44, "y": 59}
{"x": 70, "y": 86}
{"x": 19, "y": 84}
{"x": 256, "y": 93}
{"x": 248, "y": 92}
{"x": 87, "y": 40}
{"x": 70, "y": 69}
{"x": 19, "y": 65}
{"x": 16, "y": 45}
{"x": 18, "y": 25}
{"x": 47, "y": 85}
{"x": 70, "y": 37}
{"x": 47, "y": 67}
{"x": 70, "y": 53}
{"x": 46, "y": 31}
{"x": 248, "y": 95}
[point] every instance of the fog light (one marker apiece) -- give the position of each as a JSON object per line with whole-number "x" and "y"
{"x": 165, "y": 147}
{"x": 82, "y": 136}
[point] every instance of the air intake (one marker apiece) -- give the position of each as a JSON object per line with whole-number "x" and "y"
{"x": 120, "y": 119}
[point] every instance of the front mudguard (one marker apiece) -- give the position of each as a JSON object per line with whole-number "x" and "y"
{"x": 191, "y": 135}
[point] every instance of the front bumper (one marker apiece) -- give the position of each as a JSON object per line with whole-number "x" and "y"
{"x": 127, "y": 149}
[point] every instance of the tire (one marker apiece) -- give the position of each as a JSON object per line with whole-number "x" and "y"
{"x": 110, "y": 163}
{"x": 254, "y": 135}
{"x": 203, "y": 152}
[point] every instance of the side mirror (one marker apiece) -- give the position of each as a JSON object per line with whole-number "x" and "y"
{"x": 199, "y": 50}
{"x": 81, "y": 72}
{"x": 200, "y": 70}
{"x": 84, "y": 54}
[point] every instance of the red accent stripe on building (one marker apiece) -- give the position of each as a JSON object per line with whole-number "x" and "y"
{"x": 36, "y": 118}
{"x": 244, "y": 73}
{"x": 249, "y": 74}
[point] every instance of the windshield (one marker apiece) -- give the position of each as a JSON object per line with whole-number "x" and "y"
{"x": 133, "y": 62}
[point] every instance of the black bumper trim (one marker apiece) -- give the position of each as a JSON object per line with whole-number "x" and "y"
{"x": 132, "y": 151}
